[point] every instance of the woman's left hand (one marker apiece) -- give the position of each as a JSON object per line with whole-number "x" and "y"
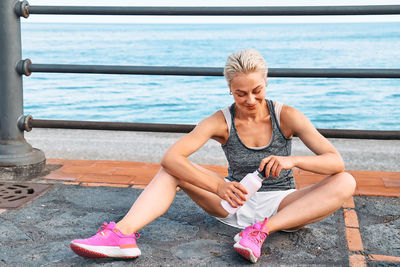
{"x": 274, "y": 165}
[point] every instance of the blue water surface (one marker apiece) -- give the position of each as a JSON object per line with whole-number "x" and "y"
{"x": 328, "y": 103}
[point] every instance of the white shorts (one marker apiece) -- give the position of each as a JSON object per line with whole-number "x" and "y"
{"x": 257, "y": 208}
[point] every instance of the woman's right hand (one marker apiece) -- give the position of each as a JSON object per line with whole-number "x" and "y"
{"x": 233, "y": 192}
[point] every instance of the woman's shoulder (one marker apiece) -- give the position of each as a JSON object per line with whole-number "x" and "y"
{"x": 291, "y": 120}
{"x": 217, "y": 124}
{"x": 217, "y": 116}
{"x": 289, "y": 111}
{"x": 214, "y": 121}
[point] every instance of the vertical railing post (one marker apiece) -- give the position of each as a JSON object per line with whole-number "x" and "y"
{"x": 17, "y": 157}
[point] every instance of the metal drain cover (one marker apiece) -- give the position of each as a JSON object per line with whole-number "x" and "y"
{"x": 15, "y": 195}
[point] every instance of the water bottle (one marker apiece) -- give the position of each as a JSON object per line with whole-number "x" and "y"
{"x": 252, "y": 182}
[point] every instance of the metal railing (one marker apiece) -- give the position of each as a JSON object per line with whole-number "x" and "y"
{"x": 15, "y": 151}
{"x": 185, "y": 128}
{"x": 25, "y": 10}
{"x": 26, "y": 67}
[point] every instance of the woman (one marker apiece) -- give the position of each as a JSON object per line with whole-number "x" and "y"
{"x": 254, "y": 133}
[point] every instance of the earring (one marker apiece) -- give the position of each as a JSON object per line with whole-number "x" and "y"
{"x": 230, "y": 92}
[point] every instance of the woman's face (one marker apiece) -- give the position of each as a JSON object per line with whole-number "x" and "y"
{"x": 248, "y": 90}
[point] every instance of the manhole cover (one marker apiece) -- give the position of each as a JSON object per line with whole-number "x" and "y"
{"x": 15, "y": 195}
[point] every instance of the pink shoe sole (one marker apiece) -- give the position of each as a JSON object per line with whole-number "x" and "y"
{"x": 245, "y": 252}
{"x": 91, "y": 254}
{"x": 86, "y": 253}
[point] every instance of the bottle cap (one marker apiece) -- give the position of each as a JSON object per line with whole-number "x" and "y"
{"x": 262, "y": 173}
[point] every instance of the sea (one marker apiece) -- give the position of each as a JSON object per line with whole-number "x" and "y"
{"x": 331, "y": 103}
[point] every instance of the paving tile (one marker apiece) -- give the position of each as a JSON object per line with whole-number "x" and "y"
{"x": 350, "y": 218}
{"x": 71, "y": 183}
{"x": 391, "y": 182}
{"x": 105, "y": 184}
{"x": 138, "y": 186}
{"x": 373, "y": 177}
{"x": 55, "y": 161}
{"x": 84, "y": 169}
{"x": 104, "y": 178}
{"x": 60, "y": 175}
{"x": 349, "y": 203}
{"x": 357, "y": 261}
{"x": 377, "y": 191}
{"x": 136, "y": 171}
{"x": 113, "y": 163}
{"x": 368, "y": 181}
{"x": 383, "y": 258}
{"x": 374, "y": 174}
{"x": 140, "y": 180}
{"x": 354, "y": 241}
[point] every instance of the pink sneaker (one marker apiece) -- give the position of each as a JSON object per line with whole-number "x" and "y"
{"x": 249, "y": 241}
{"x": 107, "y": 242}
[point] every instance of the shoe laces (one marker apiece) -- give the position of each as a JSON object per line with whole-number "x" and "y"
{"x": 257, "y": 236}
{"x": 104, "y": 227}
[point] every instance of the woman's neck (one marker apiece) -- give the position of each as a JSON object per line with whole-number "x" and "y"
{"x": 259, "y": 114}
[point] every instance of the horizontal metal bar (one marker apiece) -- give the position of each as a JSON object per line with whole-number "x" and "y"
{"x": 205, "y": 71}
{"x": 185, "y": 128}
{"x": 115, "y": 126}
{"x": 218, "y": 11}
{"x": 139, "y": 70}
{"x": 360, "y": 134}
{"x": 333, "y": 73}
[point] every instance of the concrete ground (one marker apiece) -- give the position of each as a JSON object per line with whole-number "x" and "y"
{"x": 364, "y": 232}
{"x": 184, "y": 236}
{"x": 39, "y": 233}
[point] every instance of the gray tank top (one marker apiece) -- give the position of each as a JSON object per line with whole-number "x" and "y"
{"x": 243, "y": 160}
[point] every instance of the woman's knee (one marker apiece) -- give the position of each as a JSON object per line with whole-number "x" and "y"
{"x": 346, "y": 184}
{"x": 163, "y": 174}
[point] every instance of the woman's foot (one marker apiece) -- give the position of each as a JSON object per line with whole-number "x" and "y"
{"x": 249, "y": 241}
{"x": 107, "y": 242}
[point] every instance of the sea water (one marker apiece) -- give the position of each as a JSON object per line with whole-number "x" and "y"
{"x": 328, "y": 103}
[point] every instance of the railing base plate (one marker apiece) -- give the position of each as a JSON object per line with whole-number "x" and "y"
{"x": 12, "y": 169}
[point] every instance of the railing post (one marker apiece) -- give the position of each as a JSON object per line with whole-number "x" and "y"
{"x": 18, "y": 160}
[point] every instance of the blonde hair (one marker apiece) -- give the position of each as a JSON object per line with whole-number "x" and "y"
{"x": 244, "y": 61}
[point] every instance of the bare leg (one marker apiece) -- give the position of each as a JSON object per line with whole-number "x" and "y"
{"x": 158, "y": 196}
{"x": 313, "y": 203}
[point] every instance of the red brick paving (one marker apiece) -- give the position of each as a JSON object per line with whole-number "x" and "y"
{"x": 139, "y": 174}
{"x": 357, "y": 260}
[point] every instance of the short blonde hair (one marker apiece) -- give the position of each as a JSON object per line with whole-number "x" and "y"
{"x": 244, "y": 61}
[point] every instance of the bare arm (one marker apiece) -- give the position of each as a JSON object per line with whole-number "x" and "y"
{"x": 327, "y": 159}
{"x": 176, "y": 163}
